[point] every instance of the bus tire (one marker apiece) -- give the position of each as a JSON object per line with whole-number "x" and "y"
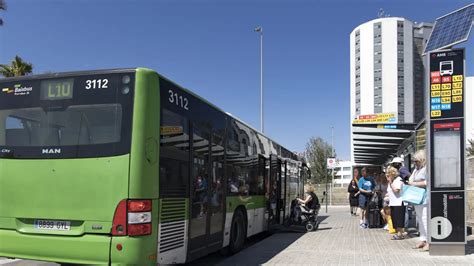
{"x": 238, "y": 232}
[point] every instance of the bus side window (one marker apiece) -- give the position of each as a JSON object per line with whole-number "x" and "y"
{"x": 174, "y": 155}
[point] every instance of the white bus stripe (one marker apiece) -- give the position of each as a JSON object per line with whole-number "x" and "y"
{"x": 8, "y": 261}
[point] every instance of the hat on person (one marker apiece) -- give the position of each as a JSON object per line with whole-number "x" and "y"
{"x": 397, "y": 160}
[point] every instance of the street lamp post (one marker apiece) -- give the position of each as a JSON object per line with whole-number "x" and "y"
{"x": 260, "y": 30}
{"x": 332, "y": 155}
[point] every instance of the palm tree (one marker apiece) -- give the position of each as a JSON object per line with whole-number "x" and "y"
{"x": 17, "y": 68}
{"x": 3, "y": 6}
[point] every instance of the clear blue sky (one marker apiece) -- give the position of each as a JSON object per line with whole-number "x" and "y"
{"x": 210, "y": 47}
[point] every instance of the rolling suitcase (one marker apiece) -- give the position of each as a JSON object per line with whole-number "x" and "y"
{"x": 374, "y": 216}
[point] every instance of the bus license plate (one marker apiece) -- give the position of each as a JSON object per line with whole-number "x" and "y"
{"x": 53, "y": 225}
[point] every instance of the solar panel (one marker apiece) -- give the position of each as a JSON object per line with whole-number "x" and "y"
{"x": 451, "y": 29}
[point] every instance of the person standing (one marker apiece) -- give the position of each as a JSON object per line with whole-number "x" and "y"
{"x": 397, "y": 209}
{"x": 366, "y": 188}
{"x": 381, "y": 190}
{"x": 353, "y": 190}
{"x": 356, "y": 175}
{"x": 418, "y": 179}
{"x": 404, "y": 173}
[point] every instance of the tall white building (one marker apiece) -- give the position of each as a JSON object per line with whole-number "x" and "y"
{"x": 386, "y": 70}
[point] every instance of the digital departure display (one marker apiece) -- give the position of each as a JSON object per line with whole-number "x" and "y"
{"x": 56, "y": 89}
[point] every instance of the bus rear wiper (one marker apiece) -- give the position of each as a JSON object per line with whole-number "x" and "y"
{"x": 54, "y": 108}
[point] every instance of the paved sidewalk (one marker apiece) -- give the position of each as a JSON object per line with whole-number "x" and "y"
{"x": 340, "y": 241}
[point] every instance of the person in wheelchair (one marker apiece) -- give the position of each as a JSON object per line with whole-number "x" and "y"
{"x": 310, "y": 204}
{"x": 305, "y": 211}
{"x": 311, "y": 201}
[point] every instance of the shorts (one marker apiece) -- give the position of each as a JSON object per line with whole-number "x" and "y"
{"x": 363, "y": 201}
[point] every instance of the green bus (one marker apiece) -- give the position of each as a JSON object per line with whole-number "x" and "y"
{"x": 126, "y": 167}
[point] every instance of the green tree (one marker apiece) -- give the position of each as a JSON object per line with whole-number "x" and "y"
{"x": 17, "y": 68}
{"x": 470, "y": 149}
{"x": 317, "y": 152}
{"x": 3, "y": 6}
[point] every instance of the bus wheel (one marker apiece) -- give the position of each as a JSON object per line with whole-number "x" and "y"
{"x": 238, "y": 232}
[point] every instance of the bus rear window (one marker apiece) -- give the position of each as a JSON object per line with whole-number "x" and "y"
{"x": 66, "y": 116}
{"x": 76, "y": 125}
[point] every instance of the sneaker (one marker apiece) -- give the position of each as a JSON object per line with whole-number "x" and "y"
{"x": 363, "y": 226}
{"x": 385, "y": 227}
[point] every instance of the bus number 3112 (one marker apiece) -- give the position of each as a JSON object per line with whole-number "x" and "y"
{"x": 97, "y": 84}
{"x": 179, "y": 100}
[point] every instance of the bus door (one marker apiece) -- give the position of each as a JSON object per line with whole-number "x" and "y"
{"x": 207, "y": 198}
{"x": 277, "y": 191}
{"x": 302, "y": 180}
{"x": 216, "y": 211}
{"x": 283, "y": 189}
{"x": 199, "y": 183}
{"x": 264, "y": 171}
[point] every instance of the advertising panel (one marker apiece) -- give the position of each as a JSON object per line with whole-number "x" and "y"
{"x": 385, "y": 118}
{"x": 447, "y": 164}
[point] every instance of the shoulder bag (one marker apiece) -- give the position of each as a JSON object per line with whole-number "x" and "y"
{"x": 413, "y": 195}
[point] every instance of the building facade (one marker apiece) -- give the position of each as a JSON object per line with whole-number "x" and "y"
{"x": 386, "y": 69}
{"x": 342, "y": 173}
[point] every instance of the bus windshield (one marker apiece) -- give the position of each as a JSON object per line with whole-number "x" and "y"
{"x": 66, "y": 117}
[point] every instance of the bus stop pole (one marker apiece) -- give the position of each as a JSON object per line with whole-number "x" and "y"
{"x": 326, "y": 194}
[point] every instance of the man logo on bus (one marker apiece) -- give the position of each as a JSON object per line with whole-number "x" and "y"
{"x": 51, "y": 151}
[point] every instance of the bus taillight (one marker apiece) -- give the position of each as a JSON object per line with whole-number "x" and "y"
{"x": 139, "y": 205}
{"x": 139, "y": 217}
{"x": 139, "y": 229}
{"x": 119, "y": 224}
{"x": 133, "y": 218}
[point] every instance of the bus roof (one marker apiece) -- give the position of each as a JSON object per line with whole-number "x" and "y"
{"x": 125, "y": 70}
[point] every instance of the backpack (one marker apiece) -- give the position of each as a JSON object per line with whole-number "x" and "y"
{"x": 372, "y": 205}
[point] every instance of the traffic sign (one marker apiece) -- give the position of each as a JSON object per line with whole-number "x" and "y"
{"x": 331, "y": 162}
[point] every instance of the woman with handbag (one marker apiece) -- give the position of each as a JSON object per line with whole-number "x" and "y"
{"x": 418, "y": 179}
{"x": 397, "y": 208}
